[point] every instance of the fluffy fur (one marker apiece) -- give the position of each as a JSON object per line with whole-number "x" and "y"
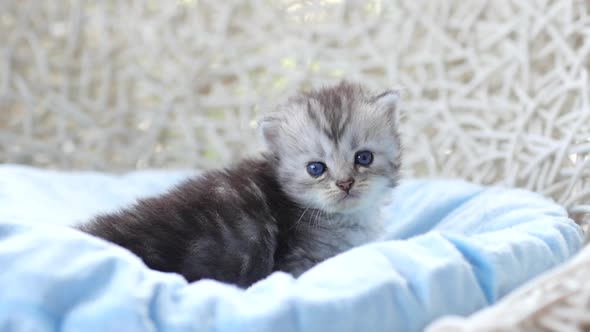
{"x": 266, "y": 214}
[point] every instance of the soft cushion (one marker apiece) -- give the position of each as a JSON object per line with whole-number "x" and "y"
{"x": 451, "y": 248}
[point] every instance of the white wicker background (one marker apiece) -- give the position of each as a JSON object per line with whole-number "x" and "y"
{"x": 494, "y": 91}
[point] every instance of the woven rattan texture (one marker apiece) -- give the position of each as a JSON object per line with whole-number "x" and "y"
{"x": 494, "y": 91}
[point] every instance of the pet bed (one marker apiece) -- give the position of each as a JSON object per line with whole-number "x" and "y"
{"x": 451, "y": 248}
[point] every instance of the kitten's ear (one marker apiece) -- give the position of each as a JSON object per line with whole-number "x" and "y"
{"x": 388, "y": 102}
{"x": 269, "y": 125}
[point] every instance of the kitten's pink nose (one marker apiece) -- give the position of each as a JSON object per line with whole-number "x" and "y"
{"x": 345, "y": 185}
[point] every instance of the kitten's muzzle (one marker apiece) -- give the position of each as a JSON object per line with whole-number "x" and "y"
{"x": 345, "y": 185}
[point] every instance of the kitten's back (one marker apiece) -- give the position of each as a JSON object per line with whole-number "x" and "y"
{"x": 222, "y": 225}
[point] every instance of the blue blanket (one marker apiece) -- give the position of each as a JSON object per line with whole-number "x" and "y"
{"x": 452, "y": 248}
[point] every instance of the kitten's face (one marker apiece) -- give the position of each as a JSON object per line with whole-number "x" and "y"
{"x": 338, "y": 148}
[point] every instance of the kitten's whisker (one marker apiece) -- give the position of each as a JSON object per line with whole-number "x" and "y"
{"x": 316, "y": 220}
{"x": 324, "y": 215}
{"x": 313, "y": 218}
{"x": 298, "y": 220}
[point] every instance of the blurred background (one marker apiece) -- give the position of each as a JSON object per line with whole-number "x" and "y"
{"x": 493, "y": 91}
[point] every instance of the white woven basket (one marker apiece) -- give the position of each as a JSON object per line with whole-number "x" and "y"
{"x": 496, "y": 92}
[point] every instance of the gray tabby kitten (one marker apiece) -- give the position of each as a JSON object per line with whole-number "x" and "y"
{"x": 333, "y": 158}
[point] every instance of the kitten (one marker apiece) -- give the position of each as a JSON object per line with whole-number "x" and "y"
{"x": 333, "y": 157}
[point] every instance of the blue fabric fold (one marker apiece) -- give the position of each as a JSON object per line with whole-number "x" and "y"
{"x": 451, "y": 248}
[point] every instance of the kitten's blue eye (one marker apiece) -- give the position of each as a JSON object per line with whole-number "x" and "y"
{"x": 364, "y": 158}
{"x": 316, "y": 168}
